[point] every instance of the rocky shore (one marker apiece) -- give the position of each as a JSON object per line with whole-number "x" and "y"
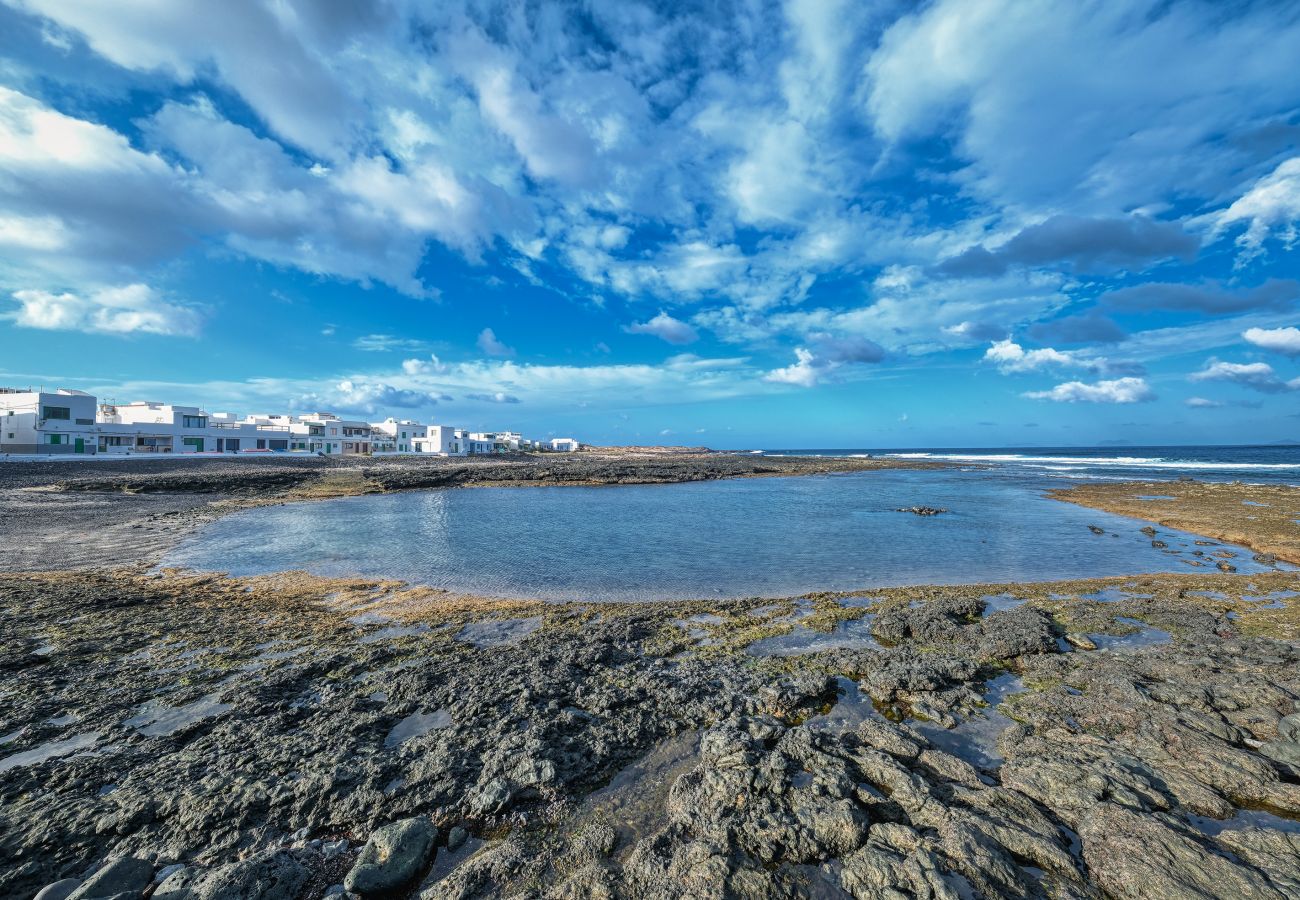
{"x": 183, "y": 736}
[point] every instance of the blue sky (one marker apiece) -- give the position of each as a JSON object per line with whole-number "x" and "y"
{"x": 956, "y": 223}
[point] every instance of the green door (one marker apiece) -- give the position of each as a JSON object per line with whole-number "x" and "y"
{"x": 81, "y": 445}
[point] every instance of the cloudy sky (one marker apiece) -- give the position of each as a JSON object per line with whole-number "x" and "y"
{"x": 954, "y": 223}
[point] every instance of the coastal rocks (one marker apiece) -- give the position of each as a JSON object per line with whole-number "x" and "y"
{"x": 59, "y": 890}
{"x": 120, "y": 878}
{"x": 1171, "y": 863}
{"x": 271, "y": 875}
{"x": 393, "y": 857}
{"x": 922, "y": 510}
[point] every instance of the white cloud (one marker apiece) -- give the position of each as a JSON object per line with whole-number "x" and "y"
{"x": 1279, "y": 340}
{"x": 423, "y": 366}
{"x": 1010, "y": 357}
{"x": 1202, "y": 403}
{"x": 489, "y": 344}
{"x": 1016, "y": 87}
{"x": 114, "y": 310}
{"x": 665, "y": 327}
{"x": 1119, "y": 390}
{"x": 1272, "y": 202}
{"x": 1256, "y": 376}
{"x": 803, "y": 372}
{"x": 366, "y": 398}
{"x": 384, "y": 343}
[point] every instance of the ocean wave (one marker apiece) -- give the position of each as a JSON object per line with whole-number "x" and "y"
{"x": 1130, "y": 462}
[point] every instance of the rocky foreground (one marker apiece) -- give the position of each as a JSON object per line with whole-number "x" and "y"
{"x": 291, "y": 737}
{"x": 194, "y": 737}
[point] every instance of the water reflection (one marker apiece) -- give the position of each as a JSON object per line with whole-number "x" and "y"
{"x": 749, "y": 537}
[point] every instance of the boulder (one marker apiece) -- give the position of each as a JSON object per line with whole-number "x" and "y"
{"x": 125, "y": 875}
{"x": 272, "y": 875}
{"x": 59, "y": 890}
{"x": 395, "y": 856}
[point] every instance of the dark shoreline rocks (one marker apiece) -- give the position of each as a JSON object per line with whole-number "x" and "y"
{"x": 860, "y": 770}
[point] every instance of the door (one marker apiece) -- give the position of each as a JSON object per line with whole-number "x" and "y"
{"x": 80, "y": 445}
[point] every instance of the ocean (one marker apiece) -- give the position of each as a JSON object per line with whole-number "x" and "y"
{"x": 1268, "y": 464}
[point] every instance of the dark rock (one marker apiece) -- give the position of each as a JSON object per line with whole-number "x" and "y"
{"x": 922, "y": 510}
{"x": 272, "y": 875}
{"x": 125, "y": 875}
{"x": 393, "y": 857}
{"x": 60, "y": 890}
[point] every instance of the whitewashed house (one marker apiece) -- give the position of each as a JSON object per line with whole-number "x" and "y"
{"x": 562, "y": 445}
{"x": 59, "y": 421}
{"x": 443, "y": 440}
{"x": 393, "y": 436}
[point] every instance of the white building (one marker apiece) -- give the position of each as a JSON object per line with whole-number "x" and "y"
{"x": 562, "y": 445}
{"x": 67, "y": 421}
{"x": 46, "y": 421}
{"x": 442, "y": 440}
{"x": 393, "y": 436}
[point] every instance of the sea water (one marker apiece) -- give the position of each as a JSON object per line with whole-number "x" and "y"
{"x": 734, "y": 538}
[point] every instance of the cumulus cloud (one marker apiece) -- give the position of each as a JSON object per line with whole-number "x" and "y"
{"x": 366, "y": 398}
{"x": 1273, "y": 202}
{"x": 1202, "y": 403}
{"x": 1119, "y": 390}
{"x": 1279, "y": 340}
{"x": 1010, "y": 357}
{"x": 803, "y": 372}
{"x": 830, "y": 354}
{"x": 489, "y": 344}
{"x": 1078, "y": 244}
{"x": 132, "y": 308}
{"x": 665, "y": 327}
{"x": 1256, "y": 376}
{"x": 423, "y": 366}
{"x": 1209, "y": 297}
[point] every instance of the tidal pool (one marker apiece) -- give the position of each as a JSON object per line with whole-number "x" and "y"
{"x": 741, "y": 538}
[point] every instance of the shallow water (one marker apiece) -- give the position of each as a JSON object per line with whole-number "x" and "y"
{"x": 51, "y": 750}
{"x": 160, "y": 721}
{"x": 854, "y": 634}
{"x": 746, "y": 537}
{"x": 494, "y": 633}
{"x": 976, "y": 738}
{"x": 1145, "y": 636}
{"x": 416, "y": 725}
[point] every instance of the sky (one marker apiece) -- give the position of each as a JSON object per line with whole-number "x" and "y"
{"x": 751, "y": 224}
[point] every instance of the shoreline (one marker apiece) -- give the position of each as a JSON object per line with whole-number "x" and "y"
{"x": 1010, "y": 737}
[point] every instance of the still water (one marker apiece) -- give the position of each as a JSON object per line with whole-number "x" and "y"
{"x": 750, "y": 537}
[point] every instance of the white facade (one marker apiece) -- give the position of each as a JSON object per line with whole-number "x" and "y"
{"x": 47, "y": 422}
{"x": 562, "y": 445}
{"x": 442, "y": 440}
{"x": 393, "y": 436}
{"x": 66, "y": 421}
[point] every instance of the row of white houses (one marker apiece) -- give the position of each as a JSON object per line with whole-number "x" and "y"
{"x": 64, "y": 421}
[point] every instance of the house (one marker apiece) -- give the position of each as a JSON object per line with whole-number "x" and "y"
{"x": 562, "y": 445}
{"x": 61, "y": 421}
{"x": 392, "y": 436}
{"x": 442, "y": 440}
{"x": 326, "y": 433}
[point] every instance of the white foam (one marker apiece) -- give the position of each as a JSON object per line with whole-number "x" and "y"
{"x": 1130, "y": 462}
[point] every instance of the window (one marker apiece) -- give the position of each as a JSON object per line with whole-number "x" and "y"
{"x": 85, "y": 421}
{"x": 56, "y": 412}
{"x": 261, "y": 443}
{"x": 194, "y": 421}
{"x": 56, "y": 439}
{"x": 279, "y": 445}
{"x": 196, "y": 443}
